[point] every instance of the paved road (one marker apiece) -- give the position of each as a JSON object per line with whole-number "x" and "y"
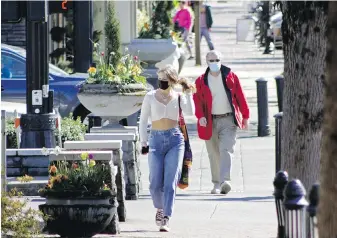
{"x": 248, "y": 211}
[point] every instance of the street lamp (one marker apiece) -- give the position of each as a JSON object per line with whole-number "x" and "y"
{"x": 39, "y": 123}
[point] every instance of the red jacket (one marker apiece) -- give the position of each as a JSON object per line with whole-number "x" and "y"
{"x": 203, "y": 100}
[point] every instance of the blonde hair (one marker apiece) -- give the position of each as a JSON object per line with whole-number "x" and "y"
{"x": 172, "y": 76}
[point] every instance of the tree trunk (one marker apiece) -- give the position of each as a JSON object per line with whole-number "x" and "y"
{"x": 327, "y": 210}
{"x": 304, "y": 45}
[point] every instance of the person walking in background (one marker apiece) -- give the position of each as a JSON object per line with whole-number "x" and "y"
{"x": 183, "y": 20}
{"x": 220, "y": 107}
{"x": 166, "y": 144}
{"x": 206, "y": 22}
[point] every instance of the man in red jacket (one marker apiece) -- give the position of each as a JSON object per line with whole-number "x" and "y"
{"x": 220, "y": 107}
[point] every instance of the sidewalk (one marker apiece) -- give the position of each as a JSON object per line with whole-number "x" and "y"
{"x": 248, "y": 211}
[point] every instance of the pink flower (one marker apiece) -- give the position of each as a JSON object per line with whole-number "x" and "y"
{"x": 102, "y": 53}
{"x": 135, "y": 57}
{"x": 91, "y": 156}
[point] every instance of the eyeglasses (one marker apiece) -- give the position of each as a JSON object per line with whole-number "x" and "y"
{"x": 212, "y": 61}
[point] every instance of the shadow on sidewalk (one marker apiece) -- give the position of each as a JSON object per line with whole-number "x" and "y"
{"x": 216, "y": 198}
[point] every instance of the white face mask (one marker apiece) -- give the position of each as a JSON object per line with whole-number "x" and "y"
{"x": 214, "y": 66}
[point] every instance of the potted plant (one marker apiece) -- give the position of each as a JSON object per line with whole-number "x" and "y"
{"x": 154, "y": 42}
{"x": 114, "y": 92}
{"x": 78, "y": 198}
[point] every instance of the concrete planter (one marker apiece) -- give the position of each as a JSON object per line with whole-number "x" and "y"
{"x": 78, "y": 217}
{"x": 111, "y": 102}
{"x": 152, "y": 51}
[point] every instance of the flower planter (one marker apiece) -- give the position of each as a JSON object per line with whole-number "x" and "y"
{"x": 77, "y": 217}
{"x": 110, "y": 102}
{"x": 152, "y": 51}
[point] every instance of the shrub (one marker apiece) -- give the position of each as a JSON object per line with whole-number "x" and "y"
{"x": 11, "y": 134}
{"x": 16, "y": 219}
{"x": 71, "y": 129}
{"x": 113, "y": 36}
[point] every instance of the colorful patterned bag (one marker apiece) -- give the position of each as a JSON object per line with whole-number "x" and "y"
{"x": 187, "y": 161}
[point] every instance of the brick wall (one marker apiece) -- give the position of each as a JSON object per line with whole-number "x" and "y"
{"x": 14, "y": 33}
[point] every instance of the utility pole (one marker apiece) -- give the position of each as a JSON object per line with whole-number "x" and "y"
{"x": 197, "y": 32}
{"x": 39, "y": 123}
{"x": 83, "y": 35}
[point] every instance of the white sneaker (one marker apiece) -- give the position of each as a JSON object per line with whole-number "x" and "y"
{"x": 164, "y": 225}
{"x": 225, "y": 187}
{"x": 159, "y": 216}
{"x": 216, "y": 189}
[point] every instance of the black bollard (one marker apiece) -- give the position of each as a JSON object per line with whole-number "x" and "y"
{"x": 280, "y": 181}
{"x": 295, "y": 209}
{"x": 94, "y": 121}
{"x": 262, "y": 107}
{"x": 279, "y": 90}
{"x": 312, "y": 210}
{"x": 278, "y": 122}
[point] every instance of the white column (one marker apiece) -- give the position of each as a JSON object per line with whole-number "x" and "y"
{"x": 99, "y": 14}
{"x": 127, "y": 16}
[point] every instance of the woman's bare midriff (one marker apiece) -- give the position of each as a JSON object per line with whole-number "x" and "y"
{"x": 164, "y": 124}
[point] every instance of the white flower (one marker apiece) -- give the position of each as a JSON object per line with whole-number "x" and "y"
{"x": 57, "y": 150}
{"x": 45, "y": 151}
{"x": 126, "y": 49}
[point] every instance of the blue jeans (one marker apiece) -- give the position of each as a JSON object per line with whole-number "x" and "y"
{"x": 165, "y": 163}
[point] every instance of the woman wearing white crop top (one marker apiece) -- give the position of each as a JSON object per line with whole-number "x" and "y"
{"x": 165, "y": 142}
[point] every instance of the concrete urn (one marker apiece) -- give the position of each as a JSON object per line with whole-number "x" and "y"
{"x": 112, "y": 102}
{"x": 152, "y": 51}
{"x": 71, "y": 217}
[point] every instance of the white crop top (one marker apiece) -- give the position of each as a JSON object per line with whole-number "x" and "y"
{"x": 155, "y": 110}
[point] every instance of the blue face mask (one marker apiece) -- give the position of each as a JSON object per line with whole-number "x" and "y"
{"x": 214, "y": 66}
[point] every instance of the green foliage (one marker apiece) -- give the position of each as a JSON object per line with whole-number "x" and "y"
{"x": 25, "y": 179}
{"x": 71, "y": 130}
{"x": 161, "y": 24}
{"x": 17, "y": 219}
{"x": 112, "y": 33}
{"x": 11, "y": 134}
{"x": 83, "y": 178}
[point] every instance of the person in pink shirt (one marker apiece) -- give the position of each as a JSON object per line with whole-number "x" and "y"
{"x": 183, "y": 19}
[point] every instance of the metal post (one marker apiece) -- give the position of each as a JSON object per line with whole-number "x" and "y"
{"x": 262, "y": 106}
{"x": 312, "y": 210}
{"x": 278, "y": 128}
{"x": 197, "y": 33}
{"x": 38, "y": 124}
{"x": 295, "y": 209}
{"x": 280, "y": 181}
{"x": 83, "y": 25}
{"x": 279, "y": 89}
{"x": 3, "y": 153}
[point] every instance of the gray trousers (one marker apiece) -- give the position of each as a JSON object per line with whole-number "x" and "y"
{"x": 186, "y": 39}
{"x": 205, "y": 32}
{"x": 220, "y": 149}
